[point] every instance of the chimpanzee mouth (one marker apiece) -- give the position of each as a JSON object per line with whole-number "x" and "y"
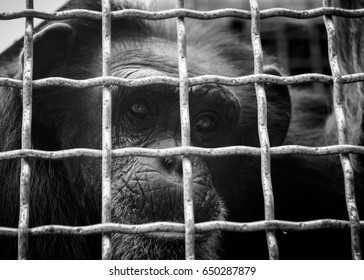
{"x": 164, "y": 245}
{"x": 165, "y": 203}
{"x": 159, "y": 201}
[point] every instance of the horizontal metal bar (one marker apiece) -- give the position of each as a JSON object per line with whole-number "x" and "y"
{"x": 221, "y": 80}
{"x": 178, "y": 227}
{"x": 184, "y": 151}
{"x": 173, "y": 13}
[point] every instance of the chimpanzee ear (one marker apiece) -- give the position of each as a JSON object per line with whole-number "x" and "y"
{"x": 51, "y": 48}
{"x": 279, "y": 108}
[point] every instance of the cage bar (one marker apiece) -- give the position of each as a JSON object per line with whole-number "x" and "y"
{"x": 185, "y": 136}
{"x": 178, "y": 151}
{"x": 221, "y": 80}
{"x": 186, "y": 151}
{"x": 263, "y": 130}
{"x": 177, "y": 227}
{"x": 205, "y": 15}
{"x": 106, "y": 128}
{"x": 26, "y": 142}
{"x": 348, "y": 170}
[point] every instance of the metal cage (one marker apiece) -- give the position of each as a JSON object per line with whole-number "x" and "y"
{"x": 269, "y": 225}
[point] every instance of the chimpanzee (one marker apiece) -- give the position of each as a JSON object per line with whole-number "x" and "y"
{"x": 144, "y": 189}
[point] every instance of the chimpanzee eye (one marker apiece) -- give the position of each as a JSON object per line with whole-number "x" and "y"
{"x": 140, "y": 110}
{"x": 206, "y": 123}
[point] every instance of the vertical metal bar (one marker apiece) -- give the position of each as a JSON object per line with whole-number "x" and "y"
{"x": 185, "y": 136}
{"x": 338, "y": 98}
{"x": 26, "y": 142}
{"x": 263, "y": 129}
{"x": 106, "y": 128}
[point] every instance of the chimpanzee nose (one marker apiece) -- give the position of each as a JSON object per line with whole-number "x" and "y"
{"x": 173, "y": 165}
{"x": 170, "y": 165}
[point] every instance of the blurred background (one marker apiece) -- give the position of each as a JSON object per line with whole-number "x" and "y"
{"x": 11, "y": 30}
{"x": 300, "y": 45}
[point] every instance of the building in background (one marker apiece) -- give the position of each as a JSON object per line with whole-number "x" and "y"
{"x": 301, "y": 45}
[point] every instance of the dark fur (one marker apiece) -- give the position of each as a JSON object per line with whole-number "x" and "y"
{"x": 68, "y": 192}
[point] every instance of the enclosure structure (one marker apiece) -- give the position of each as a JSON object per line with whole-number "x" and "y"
{"x": 269, "y": 225}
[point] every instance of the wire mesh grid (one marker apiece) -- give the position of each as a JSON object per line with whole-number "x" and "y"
{"x": 184, "y": 82}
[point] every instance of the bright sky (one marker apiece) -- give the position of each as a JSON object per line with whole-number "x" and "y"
{"x": 11, "y": 30}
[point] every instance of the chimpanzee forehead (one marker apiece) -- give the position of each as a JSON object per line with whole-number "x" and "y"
{"x": 152, "y": 53}
{"x": 160, "y": 54}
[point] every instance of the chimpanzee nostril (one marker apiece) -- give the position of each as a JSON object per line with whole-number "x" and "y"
{"x": 173, "y": 165}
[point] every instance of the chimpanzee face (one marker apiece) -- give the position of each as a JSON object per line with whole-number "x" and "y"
{"x": 145, "y": 189}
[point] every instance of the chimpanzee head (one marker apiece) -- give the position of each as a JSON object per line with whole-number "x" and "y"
{"x": 146, "y": 189}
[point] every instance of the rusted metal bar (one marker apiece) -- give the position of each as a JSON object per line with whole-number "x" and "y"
{"x": 257, "y": 78}
{"x": 187, "y": 151}
{"x": 26, "y": 141}
{"x": 185, "y": 136}
{"x": 106, "y": 128}
{"x": 177, "y": 227}
{"x": 338, "y": 97}
{"x": 263, "y": 130}
{"x": 173, "y": 13}
{"x": 183, "y": 82}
